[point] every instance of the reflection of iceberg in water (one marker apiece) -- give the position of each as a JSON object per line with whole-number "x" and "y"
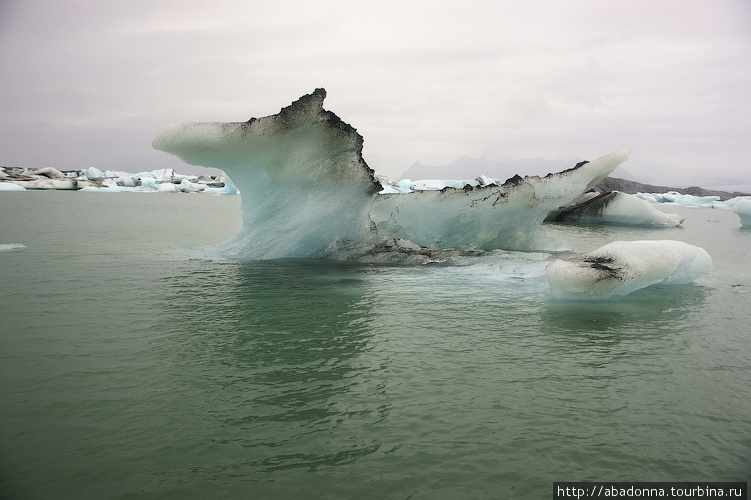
{"x": 305, "y": 188}
{"x": 288, "y": 338}
{"x": 307, "y": 192}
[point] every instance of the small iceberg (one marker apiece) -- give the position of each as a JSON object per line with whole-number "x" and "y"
{"x": 622, "y": 267}
{"x": 614, "y": 208}
{"x": 4, "y": 247}
{"x": 743, "y": 209}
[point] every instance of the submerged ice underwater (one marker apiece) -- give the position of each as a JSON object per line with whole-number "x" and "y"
{"x": 139, "y": 360}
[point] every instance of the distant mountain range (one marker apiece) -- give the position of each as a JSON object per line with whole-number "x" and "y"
{"x": 631, "y": 187}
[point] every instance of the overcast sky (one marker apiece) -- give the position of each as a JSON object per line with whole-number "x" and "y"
{"x": 89, "y": 83}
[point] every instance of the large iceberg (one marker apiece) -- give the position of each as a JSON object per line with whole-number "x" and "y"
{"x": 307, "y": 191}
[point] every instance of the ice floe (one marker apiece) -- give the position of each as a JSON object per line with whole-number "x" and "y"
{"x": 93, "y": 179}
{"x": 4, "y": 247}
{"x": 622, "y": 267}
{"x": 675, "y": 199}
{"x": 614, "y": 208}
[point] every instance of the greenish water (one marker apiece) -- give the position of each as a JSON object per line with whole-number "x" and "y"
{"x": 129, "y": 368}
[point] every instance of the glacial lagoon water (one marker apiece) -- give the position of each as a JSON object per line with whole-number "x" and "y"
{"x": 132, "y": 366}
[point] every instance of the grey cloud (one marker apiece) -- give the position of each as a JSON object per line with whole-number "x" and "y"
{"x": 90, "y": 82}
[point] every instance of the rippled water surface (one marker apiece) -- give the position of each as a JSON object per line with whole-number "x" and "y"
{"x": 133, "y": 366}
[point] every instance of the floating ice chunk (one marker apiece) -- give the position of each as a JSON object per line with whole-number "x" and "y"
{"x": 148, "y": 183}
{"x": 683, "y": 200}
{"x": 92, "y": 173}
{"x": 4, "y": 247}
{"x": 11, "y": 186}
{"x": 743, "y": 209}
{"x": 43, "y": 182}
{"x": 228, "y": 188}
{"x": 733, "y": 201}
{"x": 165, "y": 187}
{"x": 621, "y": 267}
{"x": 113, "y": 181}
{"x": 615, "y": 208}
{"x": 84, "y": 182}
{"x": 407, "y": 185}
{"x": 435, "y": 185}
{"x": 188, "y": 187}
{"x": 404, "y": 186}
{"x": 648, "y": 197}
{"x": 486, "y": 181}
{"x": 49, "y": 172}
{"x": 126, "y": 180}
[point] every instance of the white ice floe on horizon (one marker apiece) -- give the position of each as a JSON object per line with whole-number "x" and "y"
{"x": 675, "y": 199}
{"x": 94, "y": 180}
{"x": 622, "y": 267}
{"x": 403, "y": 186}
{"x": 10, "y": 186}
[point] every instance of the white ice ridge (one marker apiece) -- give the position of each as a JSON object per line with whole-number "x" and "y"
{"x": 506, "y": 216}
{"x": 306, "y": 189}
{"x": 621, "y": 267}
